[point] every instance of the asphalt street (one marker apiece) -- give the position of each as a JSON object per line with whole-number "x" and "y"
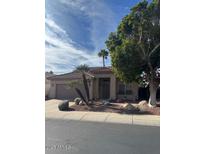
{"x": 81, "y": 137}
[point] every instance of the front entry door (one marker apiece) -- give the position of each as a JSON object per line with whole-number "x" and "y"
{"x": 104, "y": 88}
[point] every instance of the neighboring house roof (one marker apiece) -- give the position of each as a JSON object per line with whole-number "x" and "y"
{"x": 49, "y": 74}
{"x": 77, "y": 75}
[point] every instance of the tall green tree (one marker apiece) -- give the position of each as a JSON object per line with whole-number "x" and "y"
{"x": 82, "y": 68}
{"x": 135, "y": 46}
{"x": 104, "y": 54}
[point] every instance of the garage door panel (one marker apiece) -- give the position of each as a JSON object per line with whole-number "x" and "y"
{"x": 63, "y": 91}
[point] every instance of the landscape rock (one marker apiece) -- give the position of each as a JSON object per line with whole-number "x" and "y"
{"x": 81, "y": 103}
{"x": 143, "y": 105}
{"x": 91, "y": 102}
{"x": 128, "y": 106}
{"x": 64, "y": 106}
{"x": 105, "y": 102}
{"x": 77, "y": 100}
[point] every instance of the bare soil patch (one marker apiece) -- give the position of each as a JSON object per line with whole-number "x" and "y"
{"x": 113, "y": 108}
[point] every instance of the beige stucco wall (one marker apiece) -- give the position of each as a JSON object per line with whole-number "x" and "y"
{"x": 52, "y": 91}
{"x": 47, "y": 87}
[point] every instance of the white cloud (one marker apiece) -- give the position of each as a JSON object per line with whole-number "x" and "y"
{"x": 63, "y": 56}
{"x": 54, "y": 26}
{"x": 102, "y": 18}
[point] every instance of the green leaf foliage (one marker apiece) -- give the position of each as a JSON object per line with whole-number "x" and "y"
{"x": 82, "y": 68}
{"x": 135, "y": 46}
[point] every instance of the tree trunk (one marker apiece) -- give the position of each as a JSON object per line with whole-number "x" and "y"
{"x": 153, "y": 92}
{"x": 81, "y": 96}
{"x": 85, "y": 83}
{"x": 103, "y": 61}
{"x": 152, "y": 86}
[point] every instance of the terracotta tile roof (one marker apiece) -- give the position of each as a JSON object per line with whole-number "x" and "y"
{"x": 77, "y": 75}
{"x": 101, "y": 70}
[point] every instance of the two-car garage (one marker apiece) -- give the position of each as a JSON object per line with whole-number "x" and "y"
{"x": 63, "y": 91}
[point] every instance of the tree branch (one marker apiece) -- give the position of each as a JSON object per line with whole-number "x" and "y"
{"x": 153, "y": 50}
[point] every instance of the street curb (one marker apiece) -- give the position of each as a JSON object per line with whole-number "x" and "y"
{"x": 140, "y": 121}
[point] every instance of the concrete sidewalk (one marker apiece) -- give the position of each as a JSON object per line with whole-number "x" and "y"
{"x": 52, "y": 112}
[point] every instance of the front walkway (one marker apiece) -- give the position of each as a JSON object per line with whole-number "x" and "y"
{"x": 52, "y": 112}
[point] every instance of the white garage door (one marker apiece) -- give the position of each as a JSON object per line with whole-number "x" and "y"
{"x": 64, "y": 92}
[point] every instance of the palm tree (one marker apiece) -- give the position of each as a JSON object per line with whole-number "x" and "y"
{"x": 82, "y": 68}
{"x": 103, "y": 53}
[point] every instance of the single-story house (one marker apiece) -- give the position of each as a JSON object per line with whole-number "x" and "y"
{"x": 102, "y": 85}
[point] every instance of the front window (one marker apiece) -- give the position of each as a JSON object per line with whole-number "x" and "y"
{"x": 124, "y": 89}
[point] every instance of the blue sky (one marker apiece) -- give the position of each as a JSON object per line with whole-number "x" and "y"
{"x": 77, "y": 29}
